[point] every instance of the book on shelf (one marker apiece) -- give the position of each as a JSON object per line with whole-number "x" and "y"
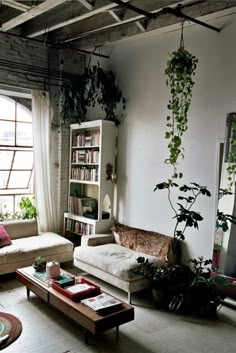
{"x": 83, "y": 205}
{"x": 101, "y": 303}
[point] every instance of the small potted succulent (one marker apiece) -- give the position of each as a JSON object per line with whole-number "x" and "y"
{"x": 40, "y": 264}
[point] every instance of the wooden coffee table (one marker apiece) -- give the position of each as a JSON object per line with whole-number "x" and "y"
{"x": 89, "y": 320}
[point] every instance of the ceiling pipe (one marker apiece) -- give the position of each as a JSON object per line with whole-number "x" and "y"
{"x": 166, "y": 10}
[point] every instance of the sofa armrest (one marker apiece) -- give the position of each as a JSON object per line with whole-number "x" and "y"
{"x": 96, "y": 239}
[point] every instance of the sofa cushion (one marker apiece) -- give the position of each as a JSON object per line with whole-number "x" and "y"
{"x": 113, "y": 258}
{"x": 5, "y": 240}
{"x": 30, "y": 247}
{"x": 147, "y": 242}
{"x": 21, "y": 228}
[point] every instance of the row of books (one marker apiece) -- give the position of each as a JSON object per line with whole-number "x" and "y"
{"x": 85, "y": 173}
{"x": 85, "y": 156}
{"x": 86, "y": 139}
{"x": 79, "y": 227}
{"x": 82, "y": 205}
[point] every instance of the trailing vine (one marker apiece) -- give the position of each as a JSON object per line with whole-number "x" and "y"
{"x": 180, "y": 71}
{"x": 94, "y": 86}
{"x": 231, "y": 159}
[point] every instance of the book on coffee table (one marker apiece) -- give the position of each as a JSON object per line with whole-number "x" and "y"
{"x": 79, "y": 290}
{"x": 102, "y": 303}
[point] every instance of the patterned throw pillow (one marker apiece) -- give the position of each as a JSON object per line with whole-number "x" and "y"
{"x": 4, "y": 237}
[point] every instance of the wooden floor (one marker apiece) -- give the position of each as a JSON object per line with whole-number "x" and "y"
{"x": 45, "y": 330}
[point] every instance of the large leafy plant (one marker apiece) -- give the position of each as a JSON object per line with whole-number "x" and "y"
{"x": 184, "y": 215}
{"x": 94, "y": 86}
{"x": 27, "y": 207}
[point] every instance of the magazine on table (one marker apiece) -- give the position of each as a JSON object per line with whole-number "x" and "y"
{"x": 79, "y": 287}
{"x": 101, "y": 302}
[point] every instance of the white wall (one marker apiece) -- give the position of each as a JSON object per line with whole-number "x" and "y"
{"x": 140, "y": 65}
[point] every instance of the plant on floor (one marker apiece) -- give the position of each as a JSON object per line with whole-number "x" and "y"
{"x": 94, "y": 86}
{"x": 180, "y": 288}
{"x": 27, "y": 207}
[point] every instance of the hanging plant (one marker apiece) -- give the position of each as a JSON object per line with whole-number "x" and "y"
{"x": 231, "y": 159}
{"x": 180, "y": 71}
{"x": 95, "y": 86}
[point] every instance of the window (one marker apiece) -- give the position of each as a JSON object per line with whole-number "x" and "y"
{"x": 16, "y": 155}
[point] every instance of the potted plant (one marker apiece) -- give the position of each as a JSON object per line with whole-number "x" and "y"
{"x": 166, "y": 282}
{"x": 40, "y": 264}
{"x": 27, "y": 207}
{"x": 180, "y": 70}
{"x": 94, "y": 86}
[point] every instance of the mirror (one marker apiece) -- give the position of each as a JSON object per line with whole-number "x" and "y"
{"x": 224, "y": 253}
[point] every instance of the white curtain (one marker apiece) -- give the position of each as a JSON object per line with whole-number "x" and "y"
{"x": 45, "y": 197}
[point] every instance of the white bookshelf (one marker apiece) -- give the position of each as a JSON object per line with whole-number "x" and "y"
{"x": 92, "y": 148}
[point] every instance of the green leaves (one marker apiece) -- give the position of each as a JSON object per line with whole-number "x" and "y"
{"x": 180, "y": 68}
{"x": 94, "y": 86}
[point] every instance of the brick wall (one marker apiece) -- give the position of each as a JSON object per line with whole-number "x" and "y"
{"x": 28, "y": 64}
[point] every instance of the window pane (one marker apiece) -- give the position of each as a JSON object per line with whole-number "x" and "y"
{"x": 24, "y": 134}
{"x": 7, "y": 110}
{"x": 6, "y": 206}
{"x": 19, "y": 179}
{"x": 3, "y": 179}
{"x": 7, "y": 133}
{"x": 5, "y": 159}
{"x": 23, "y": 160}
{"x": 22, "y": 113}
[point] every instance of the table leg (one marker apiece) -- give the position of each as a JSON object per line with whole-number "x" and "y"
{"x": 28, "y": 293}
{"x": 86, "y": 334}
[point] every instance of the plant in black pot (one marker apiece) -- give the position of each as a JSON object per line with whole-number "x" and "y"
{"x": 167, "y": 282}
{"x": 202, "y": 296}
{"x": 40, "y": 264}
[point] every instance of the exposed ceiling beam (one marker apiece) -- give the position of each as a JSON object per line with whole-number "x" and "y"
{"x": 134, "y": 18}
{"x": 86, "y": 4}
{"x": 31, "y": 13}
{"x": 16, "y": 5}
{"x": 140, "y": 26}
{"x": 75, "y": 19}
{"x": 114, "y": 15}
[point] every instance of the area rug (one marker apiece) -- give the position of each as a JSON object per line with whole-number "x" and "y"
{"x": 11, "y": 325}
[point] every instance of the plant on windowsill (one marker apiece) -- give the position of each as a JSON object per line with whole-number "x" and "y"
{"x": 27, "y": 207}
{"x": 94, "y": 86}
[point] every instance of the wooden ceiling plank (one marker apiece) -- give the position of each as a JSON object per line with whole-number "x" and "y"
{"x": 86, "y": 4}
{"x": 75, "y": 19}
{"x": 31, "y": 13}
{"x": 16, "y": 5}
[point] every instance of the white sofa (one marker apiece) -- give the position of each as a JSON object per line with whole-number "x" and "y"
{"x": 27, "y": 244}
{"x": 110, "y": 256}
